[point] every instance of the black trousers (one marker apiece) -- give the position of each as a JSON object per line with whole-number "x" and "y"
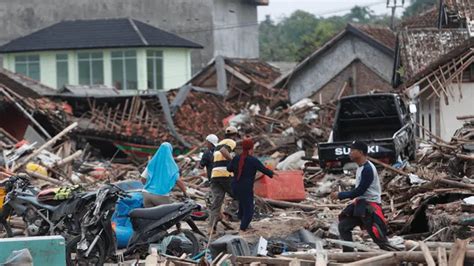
{"x": 367, "y": 218}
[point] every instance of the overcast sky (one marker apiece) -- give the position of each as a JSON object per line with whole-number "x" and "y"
{"x": 280, "y": 8}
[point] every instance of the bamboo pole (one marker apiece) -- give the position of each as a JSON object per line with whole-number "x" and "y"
{"x": 46, "y": 145}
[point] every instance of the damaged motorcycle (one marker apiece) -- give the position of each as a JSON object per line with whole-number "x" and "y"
{"x": 97, "y": 241}
{"x": 55, "y": 211}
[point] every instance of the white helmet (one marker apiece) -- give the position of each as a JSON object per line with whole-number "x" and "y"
{"x": 212, "y": 139}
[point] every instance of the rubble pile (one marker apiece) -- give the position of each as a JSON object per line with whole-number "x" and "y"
{"x": 454, "y": 157}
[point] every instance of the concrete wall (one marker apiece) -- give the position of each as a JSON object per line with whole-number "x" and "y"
{"x": 176, "y": 66}
{"x": 322, "y": 69}
{"x": 191, "y": 19}
{"x": 236, "y": 29}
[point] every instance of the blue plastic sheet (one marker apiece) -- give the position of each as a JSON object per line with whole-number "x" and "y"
{"x": 123, "y": 225}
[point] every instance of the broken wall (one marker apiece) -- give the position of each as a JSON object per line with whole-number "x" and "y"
{"x": 321, "y": 70}
{"x": 363, "y": 80}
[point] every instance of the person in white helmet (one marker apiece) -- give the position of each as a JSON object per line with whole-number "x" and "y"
{"x": 221, "y": 178}
{"x": 208, "y": 156}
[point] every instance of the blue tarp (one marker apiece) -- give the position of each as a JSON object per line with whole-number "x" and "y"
{"x": 123, "y": 225}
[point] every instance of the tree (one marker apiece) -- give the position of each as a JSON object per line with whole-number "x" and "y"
{"x": 418, "y": 6}
{"x": 300, "y": 34}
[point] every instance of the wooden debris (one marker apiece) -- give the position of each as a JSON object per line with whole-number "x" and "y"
{"x": 458, "y": 253}
{"x": 426, "y": 252}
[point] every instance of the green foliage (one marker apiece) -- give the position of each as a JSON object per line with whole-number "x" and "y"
{"x": 418, "y": 6}
{"x": 297, "y": 36}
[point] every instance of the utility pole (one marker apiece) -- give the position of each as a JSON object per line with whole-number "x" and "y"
{"x": 394, "y": 4}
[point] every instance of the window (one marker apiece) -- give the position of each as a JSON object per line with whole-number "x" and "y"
{"x": 28, "y": 65}
{"x": 155, "y": 70}
{"x": 468, "y": 74}
{"x": 124, "y": 70}
{"x": 91, "y": 68}
{"x": 62, "y": 74}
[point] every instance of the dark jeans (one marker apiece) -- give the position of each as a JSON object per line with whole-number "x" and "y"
{"x": 244, "y": 194}
{"x": 364, "y": 215}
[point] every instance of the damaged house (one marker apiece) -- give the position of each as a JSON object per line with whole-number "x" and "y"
{"x": 358, "y": 60}
{"x": 126, "y": 54}
{"x": 434, "y": 66}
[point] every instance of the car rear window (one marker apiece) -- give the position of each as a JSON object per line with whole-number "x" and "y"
{"x": 368, "y": 107}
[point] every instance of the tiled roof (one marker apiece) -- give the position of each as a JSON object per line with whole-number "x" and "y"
{"x": 23, "y": 85}
{"x": 421, "y": 47}
{"x": 464, "y": 8}
{"x": 426, "y": 19}
{"x": 383, "y": 35}
{"x": 99, "y": 33}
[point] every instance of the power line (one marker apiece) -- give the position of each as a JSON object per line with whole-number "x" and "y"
{"x": 244, "y": 25}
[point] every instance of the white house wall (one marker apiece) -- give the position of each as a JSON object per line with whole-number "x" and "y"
{"x": 427, "y": 115}
{"x": 457, "y": 107}
{"x": 176, "y": 66}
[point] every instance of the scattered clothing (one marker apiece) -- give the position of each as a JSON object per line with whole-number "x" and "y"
{"x": 242, "y": 187}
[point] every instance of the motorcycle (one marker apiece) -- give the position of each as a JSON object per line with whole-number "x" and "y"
{"x": 97, "y": 241}
{"x": 49, "y": 217}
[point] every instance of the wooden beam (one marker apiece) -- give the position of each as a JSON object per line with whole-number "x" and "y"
{"x": 49, "y": 143}
{"x": 237, "y": 74}
{"x": 305, "y": 207}
{"x": 442, "y": 257}
{"x": 426, "y": 252}
{"x": 408, "y": 256}
{"x": 377, "y": 260}
{"x": 358, "y": 246}
{"x": 458, "y": 253}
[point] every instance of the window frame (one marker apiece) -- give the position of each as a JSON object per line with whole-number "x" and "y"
{"x": 122, "y": 58}
{"x": 61, "y": 61}
{"x": 27, "y": 63}
{"x": 152, "y": 55}
{"x": 90, "y": 59}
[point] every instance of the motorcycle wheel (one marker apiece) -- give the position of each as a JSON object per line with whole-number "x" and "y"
{"x": 97, "y": 256}
{"x": 192, "y": 237}
{"x": 5, "y": 226}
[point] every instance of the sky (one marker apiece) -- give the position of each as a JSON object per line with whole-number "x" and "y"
{"x": 279, "y": 8}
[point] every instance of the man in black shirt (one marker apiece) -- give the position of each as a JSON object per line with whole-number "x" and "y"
{"x": 208, "y": 156}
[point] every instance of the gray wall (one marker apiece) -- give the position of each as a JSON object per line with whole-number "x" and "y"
{"x": 322, "y": 69}
{"x": 236, "y": 33}
{"x": 191, "y": 19}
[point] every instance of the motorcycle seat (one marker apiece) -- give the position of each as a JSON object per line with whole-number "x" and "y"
{"x": 155, "y": 213}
